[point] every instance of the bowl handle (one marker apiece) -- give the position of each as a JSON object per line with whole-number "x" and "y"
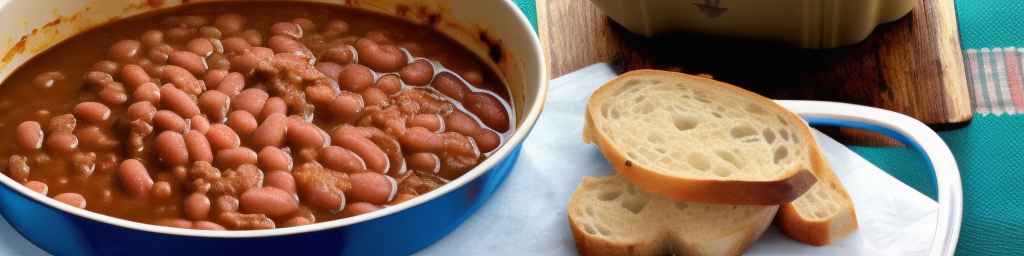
{"x": 911, "y": 132}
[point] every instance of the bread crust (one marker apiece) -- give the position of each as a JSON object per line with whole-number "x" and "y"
{"x": 790, "y": 186}
{"x": 824, "y": 231}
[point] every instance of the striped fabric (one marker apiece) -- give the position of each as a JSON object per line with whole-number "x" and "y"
{"x": 995, "y": 78}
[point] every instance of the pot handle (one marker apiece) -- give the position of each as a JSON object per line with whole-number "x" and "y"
{"x": 911, "y": 132}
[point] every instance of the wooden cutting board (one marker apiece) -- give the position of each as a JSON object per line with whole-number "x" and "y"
{"x": 913, "y": 65}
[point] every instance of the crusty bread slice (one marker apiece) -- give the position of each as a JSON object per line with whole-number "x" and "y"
{"x": 824, "y": 213}
{"x": 610, "y": 216}
{"x": 694, "y": 139}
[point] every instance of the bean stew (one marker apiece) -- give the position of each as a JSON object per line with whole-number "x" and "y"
{"x": 251, "y": 115}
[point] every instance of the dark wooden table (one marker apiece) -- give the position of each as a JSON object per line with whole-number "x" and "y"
{"x": 913, "y": 65}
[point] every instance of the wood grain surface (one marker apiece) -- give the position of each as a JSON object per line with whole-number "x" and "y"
{"x": 912, "y": 65}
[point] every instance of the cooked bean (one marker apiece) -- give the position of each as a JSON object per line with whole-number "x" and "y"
{"x": 280, "y": 179}
{"x": 472, "y": 76}
{"x": 243, "y": 122}
{"x": 274, "y": 159}
{"x": 215, "y": 104}
{"x": 142, "y": 110}
{"x": 147, "y": 92}
{"x": 178, "y": 101}
{"x": 174, "y": 223}
{"x": 200, "y": 46}
{"x": 93, "y": 112}
{"x": 113, "y": 97}
{"x": 490, "y": 111}
{"x": 432, "y": 122}
{"x": 72, "y": 199}
{"x": 373, "y": 96}
{"x": 271, "y": 132}
{"x": 234, "y": 157}
{"x": 17, "y": 168}
{"x": 62, "y": 123}
{"x": 183, "y": 79}
{"x": 389, "y": 84}
{"x": 198, "y": 146}
{"x": 214, "y": 77}
{"x": 419, "y": 139}
{"x": 169, "y": 121}
{"x": 306, "y": 135}
{"x": 449, "y": 85}
{"x": 235, "y": 44}
{"x": 47, "y": 79}
{"x": 38, "y": 187}
{"x": 179, "y": 34}
{"x": 234, "y": 220}
{"x": 320, "y": 95}
{"x": 331, "y": 69}
{"x": 358, "y": 208}
{"x": 189, "y": 61}
{"x": 125, "y": 50}
{"x": 158, "y": 54}
{"x": 417, "y": 73}
{"x": 487, "y": 140}
{"x": 225, "y": 203}
{"x": 162, "y": 190}
{"x": 93, "y": 137}
{"x": 200, "y": 123}
{"x": 341, "y": 54}
{"x": 222, "y": 137}
{"x": 210, "y": 32}
{"x": 171, "y": 148}
{"x": 459, "y": 122}
{"x": 296, "y": 221}
{"x": 251, "y": 100}
{"x": 206, "y": 225}
{"x": 30, "y": 135}
{"x": 134, "y": 178}
{"x": 272, "y": 201}
{"x": 61, "y": 142}
{"x": 355, "y": 78}
{"x": 380, "y": 57}
{"x": 254, "y": 37}
{"x": 229, "y": 23}
{"x": 134, "y": 76}
{"x": 402, "y": 197}
{"x": 372, "y": 187}
{"x": 341, "y": 159}
{"x": 424, "y": 162}
{"x": 106, "y": 66}
{"x": 347, "y": 106}
{"x": 152, "y": 38}
{"x": 287, "y": 29}
{"x": 274, "y": 105}
{"x": 375, "y": 158}
{"x": 197, "y": 206}
{"x": 97, "y": 79}
{"x": 335, "y": 28}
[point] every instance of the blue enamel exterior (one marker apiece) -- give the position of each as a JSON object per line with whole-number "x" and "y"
{"x": 401, "y": 233}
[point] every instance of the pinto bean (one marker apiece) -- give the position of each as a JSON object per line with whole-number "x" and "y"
{"x": 419, "y": 139}
{"x": 286, "y": 29}
{"x": 198, "y": 146}
{"x": 271, "y": 132}
{"x": 235, "y": 44}
{"x": 174, "y": 223}
{"x": 330, "y": 69}
{"x": 134, "y": 178}
{"x": 243, "y": 122}
{"x": 197, "y": 206}
{"x": 162, "y": 190}
{"x": 169, "y": 121}
{"x": 178, "y": 101}
{"x": 432, "y": 122}
{"x": 147, "y": 92}
{"x": 271, "y": 201}
{"x": 72, "y": 199}
{"x": 251, "y": 100}
{"x": 296, "y": 221}
{"x": 200, "y": 123}
{"x": 335, "y": 28}
{"x": 417, "y": 73}
{"x": 341, "y": 54}
{"x": 380, "y": 57}
{"x": 225, "y": 203}
{"x": 215, "y": 104}
{"x": 273, "y": 158}
{"x": 30, "y": 135}
{"x": 424, "y": 162}
{"x": 234, "y": 157}
{"x": 200, "y": 46}
{"x": 61, "y": 142}
{"x": 375, "y": 158}
{"x": 487, "y": 140}
{"x": 341, "y": 159}
{"x": 152, "y": 38}
{"x": 125, "y": 50}
{"x": 38, "y": 187}
{"x": 189, "y": 61}
{"x": 206, "y": 225}
{"x": 389, "y": 84}
{"x": 17, "y": 168}
{"x": 142, "y": 110}
{"x": 490, "y": 111}
{"x": 373, "y": 96}
{"x": 222, "y": 137}
{"x": 214, "y": 77}
{"x": 230, "y": 23}
{"x": 321, "y": 188}
{"x": 372, "y": 187}
{"x": 112, "y": 96}
{"x": 346, "y": 106}
{"x": 274, "y": 105}
{"x": 134, "y": 76}
{"x": 306, "y": 135}
{"x": 183, "y": 79}
{"x": 355, "y": 78}
{"x": 106, "y": 66}
{"x": 358, "y": 208}
{"x": 171, "y": 148}
{"x": 459, "y": 122}
{"x": 47, "y": 79}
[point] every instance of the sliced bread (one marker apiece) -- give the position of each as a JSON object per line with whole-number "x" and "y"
{"x": 690, "y": 138}
{"x": 611, "y": 216}
{"x": 823, "y": 214}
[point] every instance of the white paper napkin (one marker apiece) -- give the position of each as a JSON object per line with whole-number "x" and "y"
{"x": 526, "y": 216}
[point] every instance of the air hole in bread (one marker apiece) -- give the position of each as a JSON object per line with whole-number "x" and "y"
{"x": 681, "y": 205}
{"x": 646, "y": 108}
{"x": 722, "y": 172}
{"x": 823, "y": 195}
{"x": 684, "y": 123}
{"x": 742, "y": 131}
{"x": 784, "y": 134}
{"x": 606, "y": 110}
{"x": 609, "y": 195}
{"x": 603, "y": 230}
{"x": 754, "y": 109}
{"x": 729, "y": 157}
{"x": 655, "y": 138}
{"x": 654, "y": 81}
{"x": 634, "y": 204}
{"x": 630, "y": 84}
{"x": 639, "y": 99}
{"x": 782, "y": 120}
{"x": 590, "y": 211}
{"x": 716, "y": 114}
{"x": 769, "y": 136}
{"x": 589, "y": 228}
{"x": 820, "y": 213}
{"x": 615, "y": 113}
{"x": 661, "y": 150}
{"x": 698, "y": 161}
{"x": 780, "y": 154}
